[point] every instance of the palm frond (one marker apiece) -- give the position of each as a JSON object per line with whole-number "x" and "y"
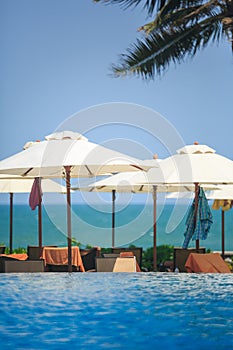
{"x": 160, "y": 49}
{"x": 180, "y": 13}
{"x": 179, "y": 29}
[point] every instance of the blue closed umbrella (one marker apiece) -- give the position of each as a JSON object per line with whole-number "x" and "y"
{"x": 198, "y": 226}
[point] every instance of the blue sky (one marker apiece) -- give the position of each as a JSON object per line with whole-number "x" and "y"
{"x": 55, "y": 60}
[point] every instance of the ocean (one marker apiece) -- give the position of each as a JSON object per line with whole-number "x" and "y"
{"x": 92, "y": 225}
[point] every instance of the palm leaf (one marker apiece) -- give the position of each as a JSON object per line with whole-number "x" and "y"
{"x": 159, "y": 50}
{"x": 180, "y": 28}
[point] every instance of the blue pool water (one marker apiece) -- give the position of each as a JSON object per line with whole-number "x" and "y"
{"x": 116, "y": 311}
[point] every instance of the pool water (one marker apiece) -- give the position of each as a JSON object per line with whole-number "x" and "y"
{"x": 116, "y": 311}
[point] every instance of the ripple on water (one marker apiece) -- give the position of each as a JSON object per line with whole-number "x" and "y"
{"x": 105, "y": 310}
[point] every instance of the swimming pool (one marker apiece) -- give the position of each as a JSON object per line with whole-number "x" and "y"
{"x": 116, "y": 310}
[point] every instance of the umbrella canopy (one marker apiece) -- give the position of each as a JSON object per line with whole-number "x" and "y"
{"x": 50, "y": 157}
{"x": 199, "y": 220}
{"x": 15, "y": 185}
{"x": 223, "y": 199}
{"x": 68, "y": 154}
{"x": 24, "y": 185}
{"x": 223, "y": 192}
{"x": 137, "y": 182}
{"x": 193, "y": 164}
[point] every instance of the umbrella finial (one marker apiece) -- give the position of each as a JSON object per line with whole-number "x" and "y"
{"x": 196, "y": 143}
{"x": 30, "y": 143}
{"x": 155, "y": 156}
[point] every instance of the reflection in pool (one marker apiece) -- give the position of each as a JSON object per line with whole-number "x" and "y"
{"x": 116, "y": 310}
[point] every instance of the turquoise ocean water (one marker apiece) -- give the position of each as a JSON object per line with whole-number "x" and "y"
{"x": 93, "y": 225}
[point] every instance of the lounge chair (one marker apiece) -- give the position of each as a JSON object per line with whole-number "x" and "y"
{"x": 2, "y": 249}
{"x": 60, "y": 268}
{"x": 89, "y": 258}
{"x": 56, "y": 259}
{"x": 181, "y": 255}
{"x": 24, "y": 266}
{"x": 4, "y": 258}
{"x": 35, "y": 252}
{"x": 19, "y": 263}
{"x": 125, "y": 264}
{"x": 137, "y": 251}
{"x": 130, "y": 255}
{"x": 105, "y": 264}
{"x": 207, "y": 263}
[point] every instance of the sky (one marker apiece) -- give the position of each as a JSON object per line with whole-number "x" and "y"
{"x": 55, "y": 64}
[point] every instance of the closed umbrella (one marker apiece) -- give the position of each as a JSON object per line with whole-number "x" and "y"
{"x": 199, "y": 220}
{"x": 14, "y": 185}
{"x": 68, "y": 155}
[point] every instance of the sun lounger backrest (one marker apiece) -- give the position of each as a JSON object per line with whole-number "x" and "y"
{"x": 125, "y": 264}
{"x": 89, "y": 257}
{"x": 137, "y": 251}
{"x": 34, "y": 252}
{"x": 2, "y": 249}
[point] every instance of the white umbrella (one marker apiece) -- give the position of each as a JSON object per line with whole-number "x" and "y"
{"x": 24, "y": 185}
{"x": 193, "y": 164}
{"x": 223, "y": 198}
{"x": 136, "y": 182}
{"x": 68, "y": 154}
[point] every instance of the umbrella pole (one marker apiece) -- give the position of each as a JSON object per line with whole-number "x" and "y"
{"x": 39, "y": 214}
{"x": 67, "y": 169}
{"x": 155, "y": 229}
{"x": 40, "y": 227}
{"x": 223, "y": 234}
{"x": 113, "y": 217}
{"x": 11, "y": 223}
{"x": 195, "y": 210}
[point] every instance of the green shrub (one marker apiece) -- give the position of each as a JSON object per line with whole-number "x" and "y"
{"x": 19, "y": 250}
{"x": 164, "y": 252}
